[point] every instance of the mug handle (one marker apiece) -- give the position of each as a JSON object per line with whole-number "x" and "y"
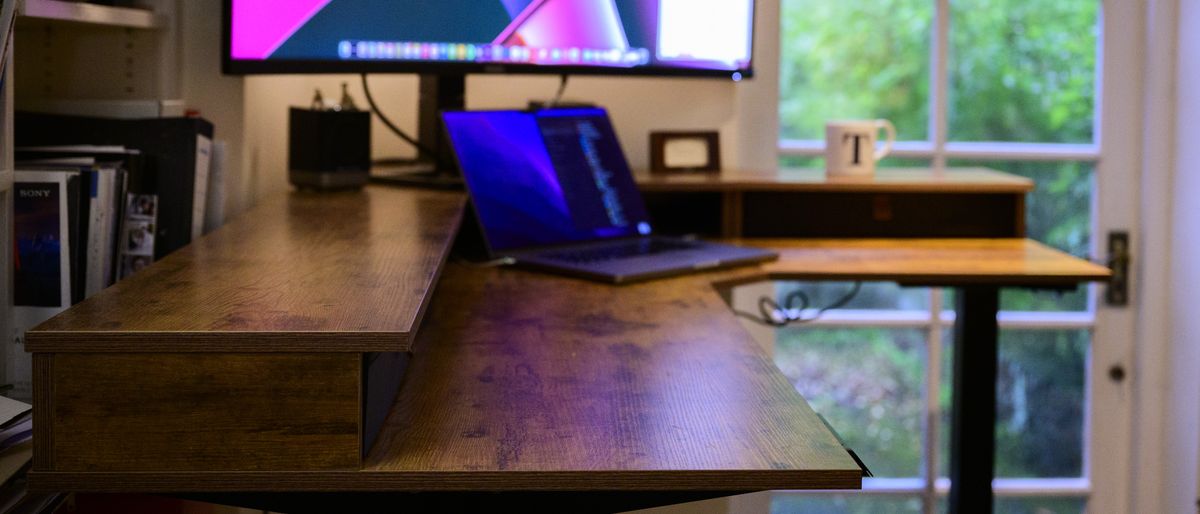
{"x": 891, "y": 138}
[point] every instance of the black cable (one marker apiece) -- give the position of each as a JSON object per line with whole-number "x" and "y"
{"x": 843, "y": 300}
{"x": 773, "y": 315}
{"x": 562, "y": 88}
{"x": 387, "y": 122}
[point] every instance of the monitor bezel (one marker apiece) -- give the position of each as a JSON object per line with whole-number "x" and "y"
{"x": 231, "y": 66}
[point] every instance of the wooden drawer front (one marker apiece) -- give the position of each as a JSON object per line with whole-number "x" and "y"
{"x": 197, "y": 412}
{"x": 824, "y": 215}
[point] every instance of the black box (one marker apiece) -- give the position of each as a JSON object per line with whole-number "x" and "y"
{"x": 329, "y": 149}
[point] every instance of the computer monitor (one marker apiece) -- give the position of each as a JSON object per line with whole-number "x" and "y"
{"x": 443, "y": 40}
{"x": 648, "y": 37}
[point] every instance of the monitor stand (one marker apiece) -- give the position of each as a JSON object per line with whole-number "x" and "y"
{"x": 438, "y": 92}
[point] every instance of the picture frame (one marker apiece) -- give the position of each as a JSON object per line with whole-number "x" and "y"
{"x": 685, "y": 151}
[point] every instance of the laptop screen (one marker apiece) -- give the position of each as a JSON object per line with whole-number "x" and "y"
{"x": 547, "y": 177}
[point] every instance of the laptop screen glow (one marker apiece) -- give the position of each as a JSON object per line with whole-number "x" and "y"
{"x": 545, "y": 178}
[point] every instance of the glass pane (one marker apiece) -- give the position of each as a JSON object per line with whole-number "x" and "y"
{"x": 800, "y": 162}
{"x": 796, "y": 503}
{"x": 872, "y": 295}
{"x": 1040, "y": 398}
{"x": 867, "y": 382}
{"x": 854, "y": 59}
{"x": 1058, "y": 213}
{"x": 1022, "y": 70}
{"x": 1038, "y": 505}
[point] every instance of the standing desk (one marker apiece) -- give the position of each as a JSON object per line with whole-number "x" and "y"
{"x": 265, "y": 359}
{"x": 908, "y": 206}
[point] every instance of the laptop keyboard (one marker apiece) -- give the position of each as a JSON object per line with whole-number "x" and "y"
{"x": 621, "y": 251}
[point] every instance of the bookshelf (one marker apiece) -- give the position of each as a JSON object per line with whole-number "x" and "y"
{"x": 76, "y": 57}
{"x": 79, "y": 58}
{"x": 102, "y": 15}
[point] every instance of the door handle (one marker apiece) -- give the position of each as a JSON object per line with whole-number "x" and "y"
{"x": 1117, "y": 292}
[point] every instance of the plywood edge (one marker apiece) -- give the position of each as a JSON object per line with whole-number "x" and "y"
{"x": 447, "y": 247}
{"x": 218, "y": 342}
{"x": 429, "y": 481}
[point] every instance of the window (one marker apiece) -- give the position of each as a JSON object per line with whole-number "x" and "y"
{"x": 1003, "y": 84}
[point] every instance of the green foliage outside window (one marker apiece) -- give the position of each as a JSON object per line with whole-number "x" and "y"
{"x": 1019, "y": 71}
{"x": 1022, "y": 70}
{"x": 854, "y": 59}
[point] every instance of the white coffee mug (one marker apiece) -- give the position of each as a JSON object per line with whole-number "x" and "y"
{"x": 850, "y": 146}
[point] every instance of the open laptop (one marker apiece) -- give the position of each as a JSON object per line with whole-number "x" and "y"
{"x": 553, "y": 191}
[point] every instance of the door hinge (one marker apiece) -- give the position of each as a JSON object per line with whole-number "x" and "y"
{"x": 1117, "y": 292}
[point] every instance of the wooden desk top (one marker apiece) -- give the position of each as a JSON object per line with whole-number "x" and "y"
{"x": 932, "y": 262}
{"x": 907, "y": 180}
{"x": 531, "y": 380}
{"x": 301, "y": 272}
{"x": 353, "y": 272}
{"x": 519, "y": 380}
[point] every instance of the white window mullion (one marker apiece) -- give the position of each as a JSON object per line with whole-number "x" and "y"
{"x": 848, "y": 318}
{"x": 815, "y": 148}
{"x": 933, "y": 410}
{"x": 939, "y": 82}
{"x": 1023, "y": 151}
{"x": 1026, "y": 487}
{"x": 1056, "y": 320}
{"x": 939, "y": 85}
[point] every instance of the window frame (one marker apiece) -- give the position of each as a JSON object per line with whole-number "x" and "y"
{"x": 1115, "y": 205}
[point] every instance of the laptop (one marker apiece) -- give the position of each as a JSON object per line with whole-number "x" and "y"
{"x": 551, "y": 190}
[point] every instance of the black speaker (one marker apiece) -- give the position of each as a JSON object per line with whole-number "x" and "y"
{"x": 329, "y": 150}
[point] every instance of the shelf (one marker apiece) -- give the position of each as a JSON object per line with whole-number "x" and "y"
{"x": 91, "y": 14}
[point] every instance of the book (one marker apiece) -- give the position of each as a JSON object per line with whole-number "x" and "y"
{"x": 177, "y": 155}
{"x": 41, "y": 262}
{"x": 113, "y": 166}
{"x": 214, "y": 211}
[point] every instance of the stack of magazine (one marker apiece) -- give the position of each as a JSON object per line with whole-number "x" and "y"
{"x": 16, "y": 452}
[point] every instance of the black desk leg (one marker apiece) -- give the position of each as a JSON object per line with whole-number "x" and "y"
{"x": 973, "y": 431}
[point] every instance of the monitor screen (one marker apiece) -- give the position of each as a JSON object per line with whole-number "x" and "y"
{"x": 551, "y": 177}
{"x": 670, "y": 37}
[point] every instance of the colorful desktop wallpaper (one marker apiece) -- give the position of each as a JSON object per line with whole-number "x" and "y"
{"x": 708, "y": 34}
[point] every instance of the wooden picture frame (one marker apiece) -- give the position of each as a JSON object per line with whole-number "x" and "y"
{"x": 678, "y": 152}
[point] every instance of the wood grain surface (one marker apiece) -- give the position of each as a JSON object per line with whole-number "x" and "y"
{"x": 519, "y": 381}
{"x": 934, "y": 262}
{"x": 343, "y": 272}
{"x": 524, "y": 375}
{"x": 896, "y": 180}
{"x": 197, "y": 412}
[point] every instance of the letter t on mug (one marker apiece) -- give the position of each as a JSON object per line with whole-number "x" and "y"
{"x": 850, "y": 146}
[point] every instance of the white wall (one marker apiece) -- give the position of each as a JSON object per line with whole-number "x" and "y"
{"x": 218, "y": 98}
{"x": 1183, "y": 429}
{"x": 637, "y": 106}
{"x": 744, "y": 113}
